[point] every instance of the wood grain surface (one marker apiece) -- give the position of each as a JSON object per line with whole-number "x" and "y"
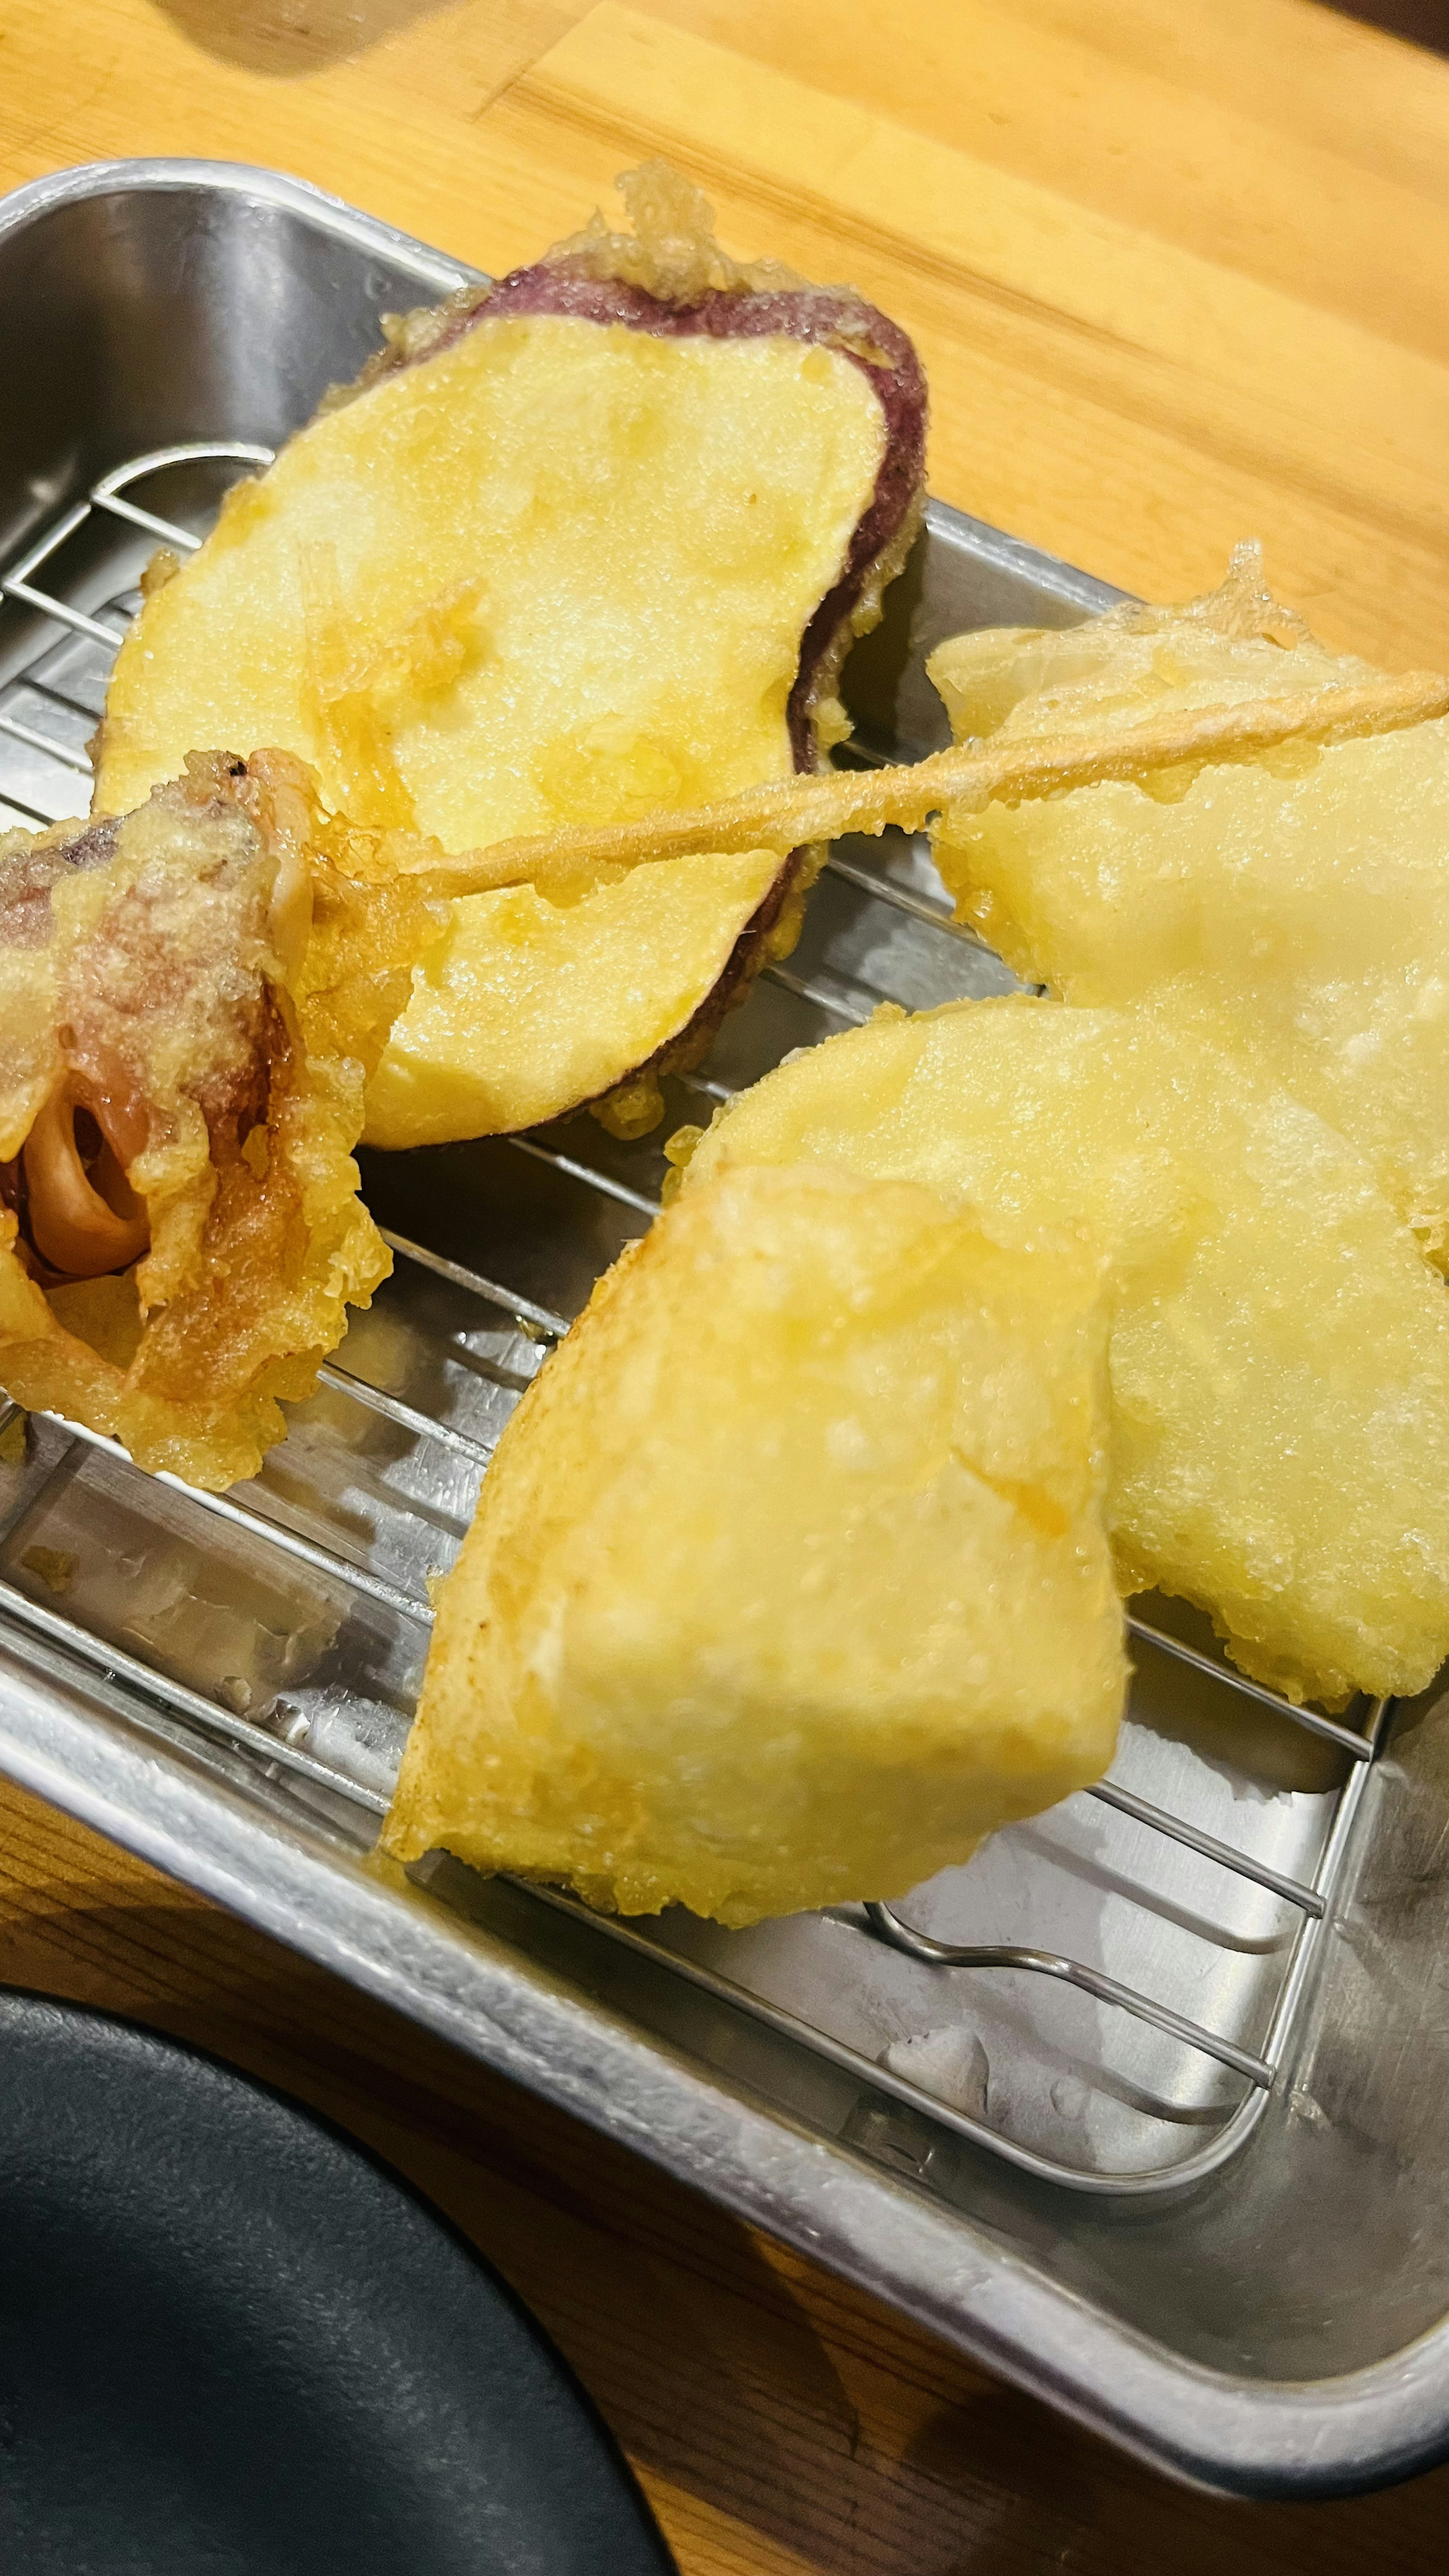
{"x": 1179, "y": 277}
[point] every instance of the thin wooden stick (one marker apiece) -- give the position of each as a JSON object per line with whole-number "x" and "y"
{"x": 788, "y": 812}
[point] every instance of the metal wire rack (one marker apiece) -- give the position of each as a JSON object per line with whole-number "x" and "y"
{"x": 51, "y": 689}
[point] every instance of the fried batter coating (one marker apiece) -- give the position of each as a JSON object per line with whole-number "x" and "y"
{"x": 191, "y": 999}
{"x": 1279, "y": 1353}
{"x": 959, "y": 782}
{"x": 581, "y": 544}
{"x": 1298, "y": 900}
{"x": 788, "y": 1581}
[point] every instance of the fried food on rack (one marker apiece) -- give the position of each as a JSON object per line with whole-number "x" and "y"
{"x": 1279, "y": 1353}
{"x": 577, "y": 547}
{"x": 788, "y": 1581}
{"x": 963, "y": 780}
{"x": 191, "y": 998}
{"x": 1299, "y": 899}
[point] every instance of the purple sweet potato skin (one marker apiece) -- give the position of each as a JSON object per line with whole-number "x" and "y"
{"x": 831, "y": 316}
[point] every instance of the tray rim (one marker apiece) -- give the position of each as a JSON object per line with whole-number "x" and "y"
{"x": 63, "y": 1736}
{"x": 181, "y": 173}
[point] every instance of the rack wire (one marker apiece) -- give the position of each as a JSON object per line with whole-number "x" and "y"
{"x": 45, "y": 713}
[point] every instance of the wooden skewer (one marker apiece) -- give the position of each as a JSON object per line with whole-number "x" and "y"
{"x": 789, "y": 812}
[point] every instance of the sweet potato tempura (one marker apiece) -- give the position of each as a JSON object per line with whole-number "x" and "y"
{"x": 1279, "y": 1353}
{"x": 1297, "y": 719}
{"x": 587, "y": 541}
{"x": 191, "y": 999}
{"x": 789, "y": 1580}
{"x": 1297, "y": 900}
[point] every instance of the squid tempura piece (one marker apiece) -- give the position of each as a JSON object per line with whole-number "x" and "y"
{"x": 191, "y": 999}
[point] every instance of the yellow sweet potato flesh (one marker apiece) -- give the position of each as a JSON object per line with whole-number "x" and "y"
{"x": 556, "y": 572}
{"x": 789, "y": 1580}
{"x": 517, "y": 965}
{"x": 1279, "y": 1354}
{"x": 1298, "y": 901}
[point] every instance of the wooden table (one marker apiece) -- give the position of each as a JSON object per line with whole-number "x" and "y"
{"x": 1179, "y": 277}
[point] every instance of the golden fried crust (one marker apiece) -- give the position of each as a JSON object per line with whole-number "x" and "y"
{"x": 611, "y": 525}
{"x": 192, "y": 997}
{"x": 781, "y": 814}
{"x": 1279, "y": 1353}
{"x": 789, "y": 1580}
{"x": 1295, "y": 902}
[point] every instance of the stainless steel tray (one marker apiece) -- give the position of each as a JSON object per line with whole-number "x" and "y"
{"x": 1172, "y": 2149}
